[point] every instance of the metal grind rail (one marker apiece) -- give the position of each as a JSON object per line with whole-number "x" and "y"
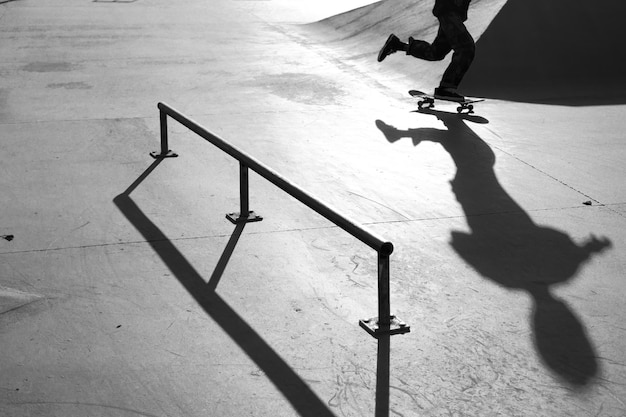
{"x": 385, "y": 323}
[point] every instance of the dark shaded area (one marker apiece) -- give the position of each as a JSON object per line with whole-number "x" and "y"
{"x": 567, "y": 52}
{"x": 507, "y": 247}
{"x": 294, "y": 389}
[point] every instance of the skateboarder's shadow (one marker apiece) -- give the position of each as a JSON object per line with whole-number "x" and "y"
{"x": 506, "y": 246}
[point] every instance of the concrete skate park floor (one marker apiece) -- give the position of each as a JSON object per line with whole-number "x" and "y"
{"x": 124, "y": 290}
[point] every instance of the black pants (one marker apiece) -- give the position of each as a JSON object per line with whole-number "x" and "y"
{"x": 452, "y": 36}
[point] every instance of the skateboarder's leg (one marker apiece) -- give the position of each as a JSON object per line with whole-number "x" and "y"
{"x": 463, "y": 46}
{"x": 435, "y": 51}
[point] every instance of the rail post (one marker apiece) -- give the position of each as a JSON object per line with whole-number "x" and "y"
{"x": 384, "y": 307}
{"x": 385, "y": 324}
{"x": 382, "y": 376}
{"x": 244, "y": 215}
{"x": 165, "y": 151}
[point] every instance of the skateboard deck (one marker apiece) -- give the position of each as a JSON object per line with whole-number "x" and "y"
{"x": 427, "y": 101}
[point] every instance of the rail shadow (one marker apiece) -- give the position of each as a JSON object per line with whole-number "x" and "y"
{"x": 507, "y": 247}
{"x": 293, "y": 388}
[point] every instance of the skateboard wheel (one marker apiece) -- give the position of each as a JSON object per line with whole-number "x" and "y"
{"x": 459, "y": 109}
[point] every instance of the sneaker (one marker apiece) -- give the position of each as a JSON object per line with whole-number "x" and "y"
{"x": 389, "y": 47}
{"x": 443, "y": 93}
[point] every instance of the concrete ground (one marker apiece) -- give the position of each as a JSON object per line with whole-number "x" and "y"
{"x": 124, "y": 291}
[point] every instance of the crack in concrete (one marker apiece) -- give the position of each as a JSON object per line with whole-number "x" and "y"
{"x": 11, "y": 299}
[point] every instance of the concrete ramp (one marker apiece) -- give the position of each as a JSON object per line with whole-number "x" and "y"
{"x": 357, "y": 36}
{"x": 558, "y": 51}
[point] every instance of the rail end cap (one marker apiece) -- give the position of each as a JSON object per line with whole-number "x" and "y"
{"x": 386, "y": 248}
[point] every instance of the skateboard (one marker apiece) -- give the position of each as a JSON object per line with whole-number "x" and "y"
{"x": 427, "y": 101}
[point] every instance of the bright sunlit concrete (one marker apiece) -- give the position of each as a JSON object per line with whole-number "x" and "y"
{"x": 124, "y": 291}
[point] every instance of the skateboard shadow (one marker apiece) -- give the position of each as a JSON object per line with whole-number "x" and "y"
{"x": 301, "y": 397}
{"x": 507, "y": 247}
